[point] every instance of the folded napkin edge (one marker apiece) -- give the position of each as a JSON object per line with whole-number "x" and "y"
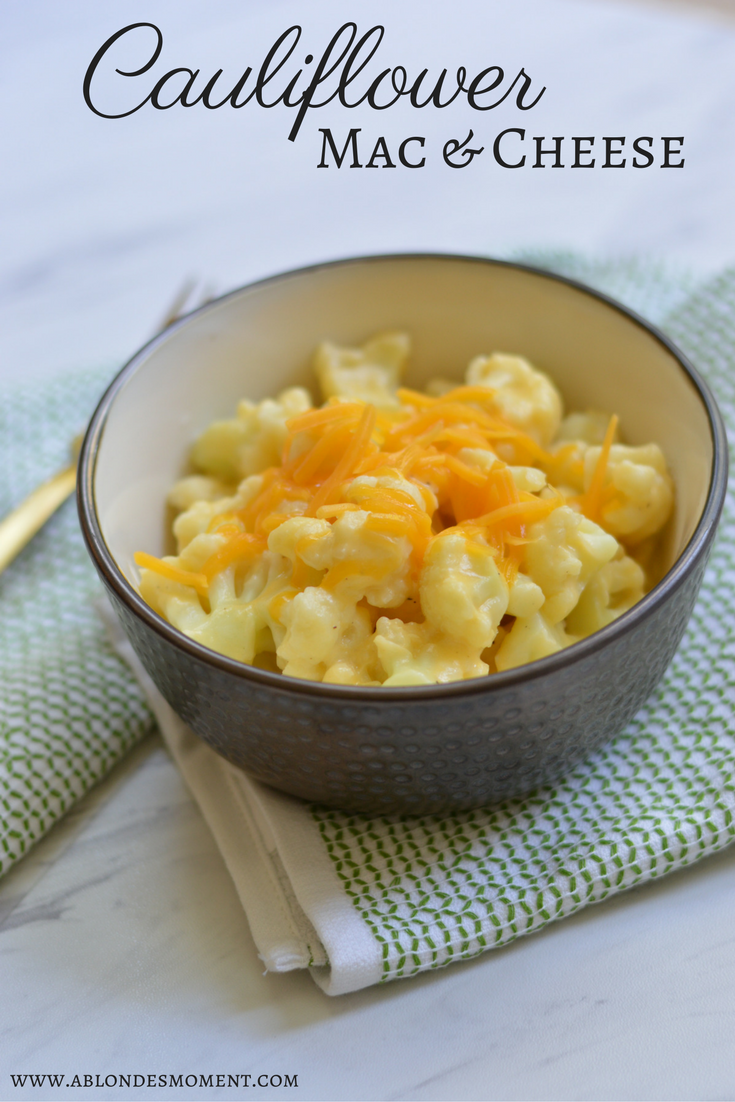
{"x": 276, "y": 932}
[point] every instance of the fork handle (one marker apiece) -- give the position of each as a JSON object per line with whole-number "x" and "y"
{"x": 20, "y": 526}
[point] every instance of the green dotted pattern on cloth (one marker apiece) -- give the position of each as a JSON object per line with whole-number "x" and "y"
{"x": 657, "y": 798}
{"x": 69, "y": 707}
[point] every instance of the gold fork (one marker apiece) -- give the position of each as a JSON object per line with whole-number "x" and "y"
{"x": 20, "y": 526}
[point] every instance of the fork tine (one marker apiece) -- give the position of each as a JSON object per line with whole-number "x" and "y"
{"x": 177, "y": 304}
{"x": 206, "y": 294}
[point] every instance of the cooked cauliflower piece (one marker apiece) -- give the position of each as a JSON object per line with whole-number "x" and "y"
{"x": 356, "y": 561}
{"x": 198, "y": 517}
{"x": 370, "y": 373}
{"x": 524, "y": 597}
{"x": 420, "y": 494}
{"x": 529, "y": 639}
{"x": 365, "y": 563}
{"x": 530, "y": 479}
{"x": 615, "y": 588}
{"x": 643, "y": 494}
{"x": 232, "y": 450}
{"x": 177, "y": 603}
{"x": 296, "y": 535}
{"x": 588, "y": 428}
{"x": 565, "y": 551}
{"x": 524, "y": 396}
{"x": 327, "y": 639}
{"x": 245, "y": 620}
{"x": 462, "y": 591}
{"x": 482, "y": 458}
{"x": 577, "y": 433}
{"x": 238, "y": 626}
{"x": 419, "y": 654}
{"x": 197, "y": 487}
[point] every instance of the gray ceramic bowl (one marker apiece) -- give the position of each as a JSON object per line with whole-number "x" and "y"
{"x": 426, "y": 749}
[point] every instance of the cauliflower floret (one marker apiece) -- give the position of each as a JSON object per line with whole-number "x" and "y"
{"x": 359, "y": 561}
{"x": 610, "y": 592}
{"x": 482, "y": 458}
{"x": 241, "y": 624}
{"x": 177, "y": 603}
{"x": 287, "y": 538}
{"x": 419, "y": 492}
{"x": 462, "y": 591}
{"x": 253, "y": 440}
{"x": 235, "y": 629}
{"x": 327, "y": 639}
{"x": 587, "y": 428}
{"x": 644, "y": 494}
{"x": 523, "y": 395}
{"x": 530, "y": 479}
{"x": 371, "y": 373}
{"x": 295, "y": 537}
{"x": 420, "y": 654}
{"x": 566, "y": 549}
{"x": 229, "y": 624}
{"x": 566, "y": 471}
{"x": 529, "y": 639}
{"x": 198, "y": 517}
{"x": 199, "y": 550}
{"x": 578, "y": 432}
{"x": 525, "y": 597}
{"x": 197, "y": 487}
{"x": 365, "y": 563}
{"x": 193, "y": 522}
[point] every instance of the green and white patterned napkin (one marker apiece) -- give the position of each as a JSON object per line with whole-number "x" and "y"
{"x": 362, "y": 901}
{"x": 69, "y": 707}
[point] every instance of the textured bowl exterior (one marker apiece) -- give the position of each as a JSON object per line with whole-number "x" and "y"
{"x": 424, "y": 750}
{"x": 449, "y": 753}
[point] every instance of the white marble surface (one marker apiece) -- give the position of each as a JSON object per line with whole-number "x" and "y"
{"x": 122, "y": 944}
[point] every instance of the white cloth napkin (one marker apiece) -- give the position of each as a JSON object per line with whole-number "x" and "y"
{"x": 299, "y": 914}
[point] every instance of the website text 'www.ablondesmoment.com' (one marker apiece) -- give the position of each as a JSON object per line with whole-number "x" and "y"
{"x": 136, "y": 1080}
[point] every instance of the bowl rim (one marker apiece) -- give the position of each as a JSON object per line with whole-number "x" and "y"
{"x": 697, "y": 545}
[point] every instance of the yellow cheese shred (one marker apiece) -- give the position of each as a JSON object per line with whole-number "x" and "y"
{"x": 327, "y": 449}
